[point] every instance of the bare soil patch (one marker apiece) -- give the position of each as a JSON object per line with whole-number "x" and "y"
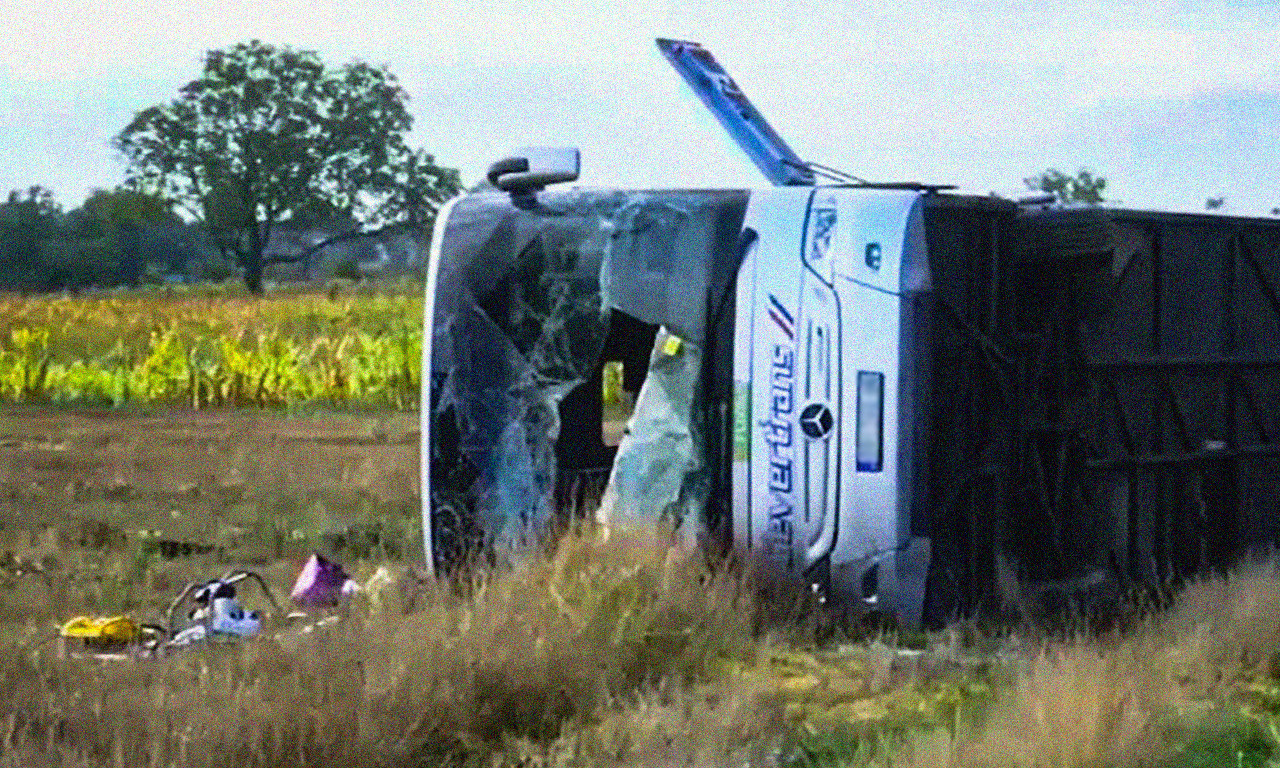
{"x": 76, "y": 451}
{"x": 251, "y": 484}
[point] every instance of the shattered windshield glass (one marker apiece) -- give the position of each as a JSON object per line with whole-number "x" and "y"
{"x": 520, "y": 316}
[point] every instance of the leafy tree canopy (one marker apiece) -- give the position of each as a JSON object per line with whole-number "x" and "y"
{"x": 1084, "y": 187}
{"x": 33, "y": 210}
{"x": 123, "y": 207}
{"x": 109, "y": 240}
{"x": 267, "y": 134}
{"x": 27, "y": 219}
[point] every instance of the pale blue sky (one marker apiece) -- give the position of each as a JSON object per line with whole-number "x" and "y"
{"x": 1172, "y": 101}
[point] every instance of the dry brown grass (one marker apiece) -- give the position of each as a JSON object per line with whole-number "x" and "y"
{"x": 576, "y": 639}
{"x": 1172, "y": 692}
{"x": 607, "y": 651}
{"x": 623, "y": 650}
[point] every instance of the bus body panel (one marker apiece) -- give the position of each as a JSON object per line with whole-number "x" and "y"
{"x": 820, "y": 324}
{"x": 768, "y": 521}
{"x": 428, "y": 330}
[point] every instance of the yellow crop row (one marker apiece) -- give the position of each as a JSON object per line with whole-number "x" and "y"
{"x": 210, "y": 350}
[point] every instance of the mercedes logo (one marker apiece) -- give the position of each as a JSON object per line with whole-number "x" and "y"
{"x": 816, "y": 420}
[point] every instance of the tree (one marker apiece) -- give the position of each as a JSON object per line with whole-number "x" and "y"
{"x": 123, "y": 216}
{"x": 43, "y": 248}
{"x": 1084, "y": 187}
{"x": 28, "y": 219}
{"x": 418, "y": 187}
{"x": 267, "y": 133}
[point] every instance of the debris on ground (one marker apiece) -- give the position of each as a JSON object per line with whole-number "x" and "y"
{"x": 211, "y": 611}
{"x": 322, "y": 582}
{"x": 218, "y": 614}
{"x": 107, "y": 637}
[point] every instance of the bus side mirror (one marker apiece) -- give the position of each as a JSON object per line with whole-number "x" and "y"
{"x": 527, "y": 172}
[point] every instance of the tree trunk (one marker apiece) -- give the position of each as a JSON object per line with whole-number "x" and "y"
{"x": 253, "y": 261}
{"x": 129, "y": 239}
{"x": 253, "y": 275}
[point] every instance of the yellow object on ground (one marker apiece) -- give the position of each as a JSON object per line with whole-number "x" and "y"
{"x": 109, "y": 629}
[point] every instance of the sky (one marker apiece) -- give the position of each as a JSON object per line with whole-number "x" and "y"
{"x": 1172, "y": 102}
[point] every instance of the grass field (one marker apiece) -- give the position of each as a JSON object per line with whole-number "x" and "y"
{"x": 613, "y": 649}
{"x": 610, "y": 651}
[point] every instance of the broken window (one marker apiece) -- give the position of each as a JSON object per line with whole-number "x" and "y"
{"x": 528, "y": 308}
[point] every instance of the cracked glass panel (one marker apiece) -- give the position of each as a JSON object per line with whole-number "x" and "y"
{"x": 658, "y": 470}
{"x": 522, "y": 300}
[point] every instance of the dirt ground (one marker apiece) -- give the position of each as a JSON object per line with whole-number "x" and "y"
{"x": 205, "y": 477}
{"x": 176, "y": 452}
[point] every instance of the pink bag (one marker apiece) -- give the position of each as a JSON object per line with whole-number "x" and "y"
{"x": 322, "y": 582}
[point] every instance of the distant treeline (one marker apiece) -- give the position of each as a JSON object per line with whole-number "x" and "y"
{"x": 125, "y": 238}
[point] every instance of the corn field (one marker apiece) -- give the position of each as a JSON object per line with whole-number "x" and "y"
{"x": 215, "y": 347}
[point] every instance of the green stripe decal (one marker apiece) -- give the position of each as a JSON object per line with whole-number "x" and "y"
{"x": 742, "y": 422}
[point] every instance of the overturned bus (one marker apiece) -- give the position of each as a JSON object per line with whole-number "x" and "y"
{"x": 918, "y": 401}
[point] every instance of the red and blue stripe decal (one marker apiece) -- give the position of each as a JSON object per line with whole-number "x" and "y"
{"x": 782, "y": 317}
